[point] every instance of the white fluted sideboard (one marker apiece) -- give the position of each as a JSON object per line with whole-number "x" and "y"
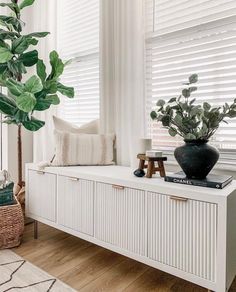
{"x": 183, "y": 230}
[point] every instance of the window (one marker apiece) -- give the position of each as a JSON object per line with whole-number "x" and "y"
{"x": 78, "y": 39}
{"x": 185, "y": 37}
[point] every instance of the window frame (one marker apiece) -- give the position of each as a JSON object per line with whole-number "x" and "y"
{"x": 227, "y": 156}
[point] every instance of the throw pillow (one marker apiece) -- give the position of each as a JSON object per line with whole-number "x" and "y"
{"x": 83, "y": 149}
{"x": 89, "y": 128}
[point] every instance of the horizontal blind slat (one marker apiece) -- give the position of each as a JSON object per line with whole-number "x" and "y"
{"x": 78, "y": 39}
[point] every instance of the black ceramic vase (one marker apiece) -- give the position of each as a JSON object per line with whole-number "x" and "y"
{"x": 196, "y": 158}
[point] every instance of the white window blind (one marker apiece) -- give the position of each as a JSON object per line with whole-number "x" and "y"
{"x": 186, "y": 37}
{"x": 165, "y": 15}
{"x": 78, "y": 39}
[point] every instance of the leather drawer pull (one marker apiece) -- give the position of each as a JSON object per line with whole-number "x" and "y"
{"x": 73, "y": 178}
{"x": 178, "y": 199}
{"x": 118, "y": 187}
{"x": 40, "y": 172}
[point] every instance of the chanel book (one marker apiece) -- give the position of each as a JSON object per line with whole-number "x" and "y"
{"x": 212, "y": 180}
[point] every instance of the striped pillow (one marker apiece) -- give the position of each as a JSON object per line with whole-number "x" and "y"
{"x": 83, "y": 149}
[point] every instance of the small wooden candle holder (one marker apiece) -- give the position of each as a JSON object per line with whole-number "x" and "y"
{"x": 151, "y": 167}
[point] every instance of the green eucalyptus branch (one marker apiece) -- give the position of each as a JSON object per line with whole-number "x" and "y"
{"x": 183, "y": 117}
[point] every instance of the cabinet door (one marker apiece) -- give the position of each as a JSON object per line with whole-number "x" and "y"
{"x": 120, "y": 217}
{"x": 182, "y": 234}
{"x": 75, "y": 204}
{"x": 42, "y": 195}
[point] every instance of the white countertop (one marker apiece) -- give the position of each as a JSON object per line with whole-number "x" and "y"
{"x": 124, "y": 176}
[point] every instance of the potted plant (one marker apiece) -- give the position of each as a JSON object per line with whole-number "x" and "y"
{"x": 26, "y": 95}
{"x": 196, "y": 123}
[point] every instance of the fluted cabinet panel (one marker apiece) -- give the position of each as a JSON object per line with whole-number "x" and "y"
{"x": 75, "y": 204}
{"x": 182, "y": 234}
{"x": 120, "y": 218}
{"x": 42, "y": 190}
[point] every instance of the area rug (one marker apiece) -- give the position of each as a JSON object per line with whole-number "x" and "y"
{"x": 18, "y": 275}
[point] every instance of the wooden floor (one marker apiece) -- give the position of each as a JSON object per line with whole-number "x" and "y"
{"x": 87, "y": 267}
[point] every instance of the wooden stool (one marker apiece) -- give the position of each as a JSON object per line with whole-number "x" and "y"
{"x": 151, "y": 168}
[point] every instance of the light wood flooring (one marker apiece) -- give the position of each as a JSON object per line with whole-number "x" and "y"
{"x": 89, "y": 268}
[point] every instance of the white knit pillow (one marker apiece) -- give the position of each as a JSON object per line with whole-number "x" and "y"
{"x": 83, "y": 149}
{"x": 64, "y": 126}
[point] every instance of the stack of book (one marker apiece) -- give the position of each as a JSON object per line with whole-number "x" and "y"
{"x": 212, "y": 180}
{"x": 6, "y": 195}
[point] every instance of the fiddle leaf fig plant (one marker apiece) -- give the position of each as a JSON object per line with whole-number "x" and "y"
{"x": 25, "y": 96}
{"x": 186, "y": 117}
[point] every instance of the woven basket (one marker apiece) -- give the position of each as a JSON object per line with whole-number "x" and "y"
{"x": 11, "y": 225}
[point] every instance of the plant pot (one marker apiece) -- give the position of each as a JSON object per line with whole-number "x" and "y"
{"x": 196, "y": 158}
{"x": 11, "y": 225}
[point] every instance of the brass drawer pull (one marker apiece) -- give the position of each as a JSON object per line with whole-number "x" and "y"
{"x": 118, "y": 187}
{"x": 40, "y": 172}
{"x": 74, "y": 179}
{"x": 178, "y": 199}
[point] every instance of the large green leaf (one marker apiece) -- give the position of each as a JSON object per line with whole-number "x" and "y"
{"x": 20, "y": 45}
{"x": 42, "y": 94}
{"x": 3, "y": 67}
{"x": 32, "y": 41}
{"x": 6, "y": 105}
{"x": 26, "y": 102}
{"x": 41, "y": 70}
{"x": 26, "y": 3}
{"x": 4, "y": 44}
{"x": 33, "y": 85}
{"x": 42, "y": 104}
{"x": 57, "y": 65}
{"x": 33, "y": 124}
{"x": 67, "y": 91}
{"x": 16, "y": 67}
{"x": 51, "y": 86}
{"x": 20, "y": 116}
{"x": 45, "y": 103}
{"x": 9, "y": 20}
{"x": 3, "y": 78}
{"x": 4, "y": 34}
{"x": 5, "y": 55}
{"x": 38, "y": 34}
{"x": 53, "y": 98}
{"x": 15, "y": 87}
{"x": 29, "y": 59}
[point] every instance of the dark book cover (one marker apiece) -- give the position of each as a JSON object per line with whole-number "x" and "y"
{"x": 9, "y": 203}
{"x": 212, "y": 180}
